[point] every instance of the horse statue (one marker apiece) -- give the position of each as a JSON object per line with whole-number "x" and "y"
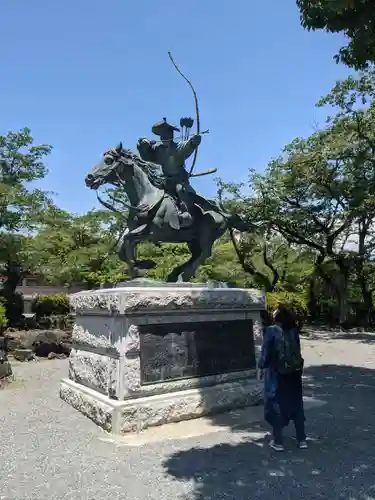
{"x": 154, "y": 214}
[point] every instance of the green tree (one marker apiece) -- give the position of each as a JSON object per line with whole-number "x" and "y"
{"x": 14, "y": 264}
{"x": 21, "y": 163}
{"x": 320, "y": 192}
{"x": 77, "y": 249}
{"x": 21, "y": 205}
{"x": 268, "y": 260}
{"x": 354, "y": 102}
{"x": 224, "y": 266}
{"x": 275, "y": 263}
{"x": 354, "y": 18}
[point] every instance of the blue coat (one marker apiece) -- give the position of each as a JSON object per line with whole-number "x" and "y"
{"x": 282, "y": 393}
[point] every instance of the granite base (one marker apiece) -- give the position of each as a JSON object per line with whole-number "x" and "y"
{"x": 134, "y": 415}
{"x": 145, "y": 356}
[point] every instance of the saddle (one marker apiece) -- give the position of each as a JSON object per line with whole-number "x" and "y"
{"x": 176, "y": 215}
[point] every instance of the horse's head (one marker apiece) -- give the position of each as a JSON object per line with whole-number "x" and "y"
{"x": 107, "y": 170}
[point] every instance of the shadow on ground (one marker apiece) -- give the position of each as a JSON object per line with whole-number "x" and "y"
{"x": 338, "y": 465}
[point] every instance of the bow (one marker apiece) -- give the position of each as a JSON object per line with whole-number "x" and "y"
{"x": 196, "y": 107}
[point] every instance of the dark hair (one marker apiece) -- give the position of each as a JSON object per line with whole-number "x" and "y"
{"x": 285, "y": 318}
{"x": 266, "y": 318}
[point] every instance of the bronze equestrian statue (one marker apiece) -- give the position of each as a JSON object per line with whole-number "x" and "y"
{"x": 162, "y": 204}
{"x": 163, "y": 207}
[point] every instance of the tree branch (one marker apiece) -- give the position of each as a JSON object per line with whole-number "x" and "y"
{"x": 275, "y": 273}
{"x": 246, "y": 266}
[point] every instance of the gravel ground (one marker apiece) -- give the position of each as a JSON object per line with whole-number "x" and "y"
{"x": 50, "y": 451}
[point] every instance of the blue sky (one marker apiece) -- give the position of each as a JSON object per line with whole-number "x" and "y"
{"x": 84, "y": 75}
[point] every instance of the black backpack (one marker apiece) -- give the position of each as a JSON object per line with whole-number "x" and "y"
{"x": 288, "y": 353}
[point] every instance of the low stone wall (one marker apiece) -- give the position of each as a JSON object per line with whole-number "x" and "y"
{"x": 40, "y": 342}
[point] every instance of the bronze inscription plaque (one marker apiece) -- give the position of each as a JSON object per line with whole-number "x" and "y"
{"x": 182, "y": 350}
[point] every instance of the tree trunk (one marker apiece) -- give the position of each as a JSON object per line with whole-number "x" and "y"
{"x": 13, "y": 307}
{"x": 313, "y": 302}
{"x": 342, "y": 289}
{"x": 343, "y": 305}
{"x": 338, "y": 285}
{"x": 368, "y": 305}
{"x": 364, "y": 225}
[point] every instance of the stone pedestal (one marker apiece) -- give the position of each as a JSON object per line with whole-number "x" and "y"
{"x": 153, "y": 355}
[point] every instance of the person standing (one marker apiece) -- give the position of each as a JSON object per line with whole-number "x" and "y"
{"x": 281, "y": 366}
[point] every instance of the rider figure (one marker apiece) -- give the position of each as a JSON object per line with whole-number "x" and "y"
{"x": 171, "y": 156}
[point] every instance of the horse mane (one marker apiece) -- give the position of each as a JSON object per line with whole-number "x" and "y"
{"x": 152, "y": 170}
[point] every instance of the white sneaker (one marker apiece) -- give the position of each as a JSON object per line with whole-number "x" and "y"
{"x": 276, "y": 447}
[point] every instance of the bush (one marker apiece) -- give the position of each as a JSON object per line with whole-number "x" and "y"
{"x": 296, "y": 302}
{"x": 3, "y": 317}
{"x": 46, "y": 305}
{"x": 13, "y": 304}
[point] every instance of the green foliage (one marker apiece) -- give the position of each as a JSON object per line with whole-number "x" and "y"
{"x": 3, "y": 317}
{"x": 223, "y": 266}
{"x": 165, "y": 256}
{"x": 47, "y": 305}
{"x": 295, "y": 302}
{"x": 21, "y": 162}
{"x": 353, "y": 18}
{"x": 14, "y": 305}
{"x": 14, "y": 253}
{"x": 319, "y": 194}
{"x": 13, "y": 263}
{"x": 311, "y": 242}
{"x": 21, "y": 206}
{"x": 269, "y": 260}
{"x": 76, "y": 249}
